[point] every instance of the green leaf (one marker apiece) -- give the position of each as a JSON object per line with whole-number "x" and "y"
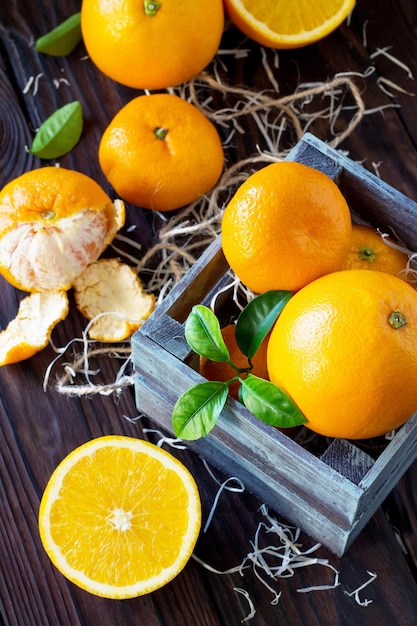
{"x": 196, "y": 411}
{"x": 59, "y": 133}
{"x": 257, "y": 319}
{"x": 203, "y": 334}
{"x": 61, "y": 40}
{"x": 269, "y": 403}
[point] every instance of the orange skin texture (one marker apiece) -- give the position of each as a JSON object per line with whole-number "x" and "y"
{"x": 30, "y": 331}
{"x": 223, "y": 371}
{"x": 286, "y": 225}
{"x": 334, "y": 352}
{"x": 167, "y": 173}
{"x": 369, "y": 251}
{"x": 152, "y": 51}
{"x": 53, "y": 223}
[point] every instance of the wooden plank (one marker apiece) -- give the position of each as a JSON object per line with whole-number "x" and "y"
{"x": 397, "y": 457}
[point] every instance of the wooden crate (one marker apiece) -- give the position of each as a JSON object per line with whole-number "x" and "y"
{"x": 330, "y": 495}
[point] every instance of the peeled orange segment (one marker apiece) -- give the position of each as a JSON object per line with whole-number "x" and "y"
{"x": 120, "y": 517}
{"x": 53, "y": 223}
{"x": 30, "y": 331}
{"x": 287, "y": 23}
{"x": 111, "y": 294}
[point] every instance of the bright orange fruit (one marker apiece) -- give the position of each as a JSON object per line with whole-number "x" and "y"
{"x": 152, "y": 44}
{"x": 160, "y": 152}
{"x": 53, "y": 223}
{"x": 288, "y": 23}
{"x": 345, "y": 349}
{"x": 370, "y": 251}
{"x": 119, "y": 517}
{"x": 286, "y": 225}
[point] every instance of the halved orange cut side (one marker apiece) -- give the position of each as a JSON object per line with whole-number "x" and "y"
{"x": 120, "y": 517}
{"x": 287, "y": 23}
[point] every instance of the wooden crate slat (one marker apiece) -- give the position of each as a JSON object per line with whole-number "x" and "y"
{"x": 347, "y": 459}
{"x": 398, "y": 455}
{"x": 275, "y": 457}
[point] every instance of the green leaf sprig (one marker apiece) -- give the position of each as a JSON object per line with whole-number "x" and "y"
{"x": 59, "y": 133}
{"x": 61, "y": 40}
{"x": 197, "y": 410}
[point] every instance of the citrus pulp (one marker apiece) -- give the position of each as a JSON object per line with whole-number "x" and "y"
{"x": 53, "y": 223}
{"x": 288, "y": 23}
{"x": 119, "y": 517}
{"x": 160, "y": 152}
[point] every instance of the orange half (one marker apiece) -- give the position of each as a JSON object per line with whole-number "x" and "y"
{"x": 287, "y": 23}
{"x": 120, "y": 517}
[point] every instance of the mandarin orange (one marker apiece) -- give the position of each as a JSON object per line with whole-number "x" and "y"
{"x": 345, "y": 350}
{"x": 53, "y": 223}
{"x": 286, "y": 225}
{"x": 152, "y": 44}
{"x": 370, "y": 250}
{"x": 160, "y": 152}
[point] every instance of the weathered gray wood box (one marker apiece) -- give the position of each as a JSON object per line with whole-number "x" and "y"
{"x": 332, "y": 494}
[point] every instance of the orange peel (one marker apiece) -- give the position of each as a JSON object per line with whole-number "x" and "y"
{"x": 30, "y": 331}
{"x": 110, "y": 294}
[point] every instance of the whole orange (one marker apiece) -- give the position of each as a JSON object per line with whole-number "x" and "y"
{"x": 53, "y": 223}
{"x": 286, "y": 225}
{"x": 370, "y": 251}
{"x": 152, "y": 44}
{"x": 160, "y": 152}
{"x": 345, "y": 349}
{"x": 223, "y": 371}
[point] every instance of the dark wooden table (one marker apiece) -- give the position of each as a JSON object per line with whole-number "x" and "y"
{"x": 378, "y": 48}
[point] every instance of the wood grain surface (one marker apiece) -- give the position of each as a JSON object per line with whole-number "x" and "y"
{"x": 39, "y": 427}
